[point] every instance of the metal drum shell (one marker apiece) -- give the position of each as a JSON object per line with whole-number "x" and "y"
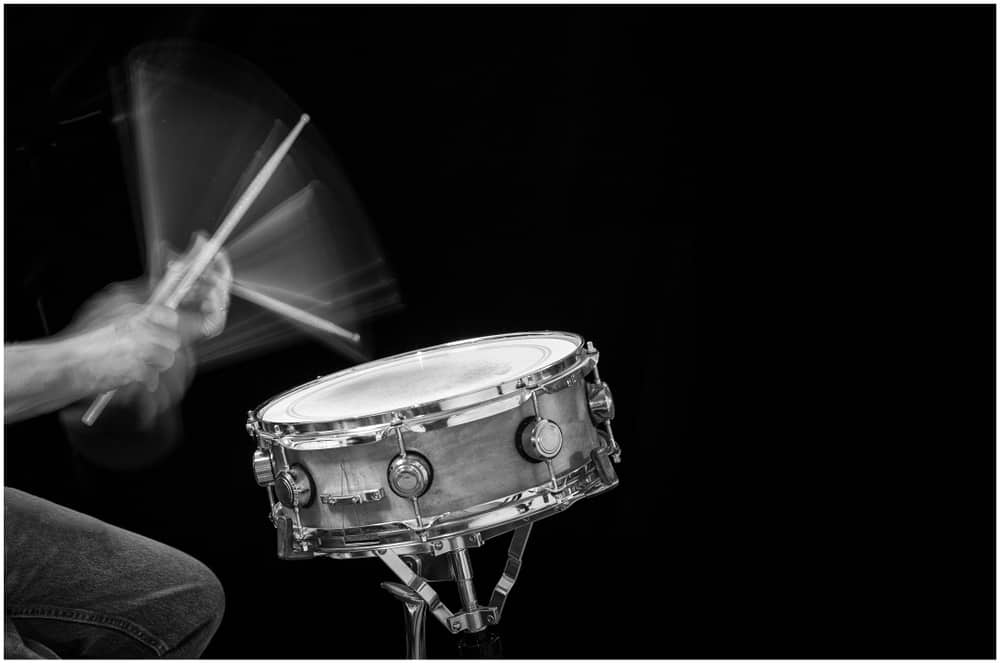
{"x": 473, "y": 464}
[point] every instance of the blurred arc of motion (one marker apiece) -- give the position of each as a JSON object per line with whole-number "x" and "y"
{"x": 200, "y": 125}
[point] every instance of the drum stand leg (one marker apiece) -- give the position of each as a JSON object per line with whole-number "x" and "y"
{"x": 415, "y": 616}
{"x": 418, "y": 597}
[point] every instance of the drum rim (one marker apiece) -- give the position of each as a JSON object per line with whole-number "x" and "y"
{"x": 419, "y": 413}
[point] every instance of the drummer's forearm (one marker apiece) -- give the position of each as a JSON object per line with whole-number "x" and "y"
{"x": 41, "y": 377}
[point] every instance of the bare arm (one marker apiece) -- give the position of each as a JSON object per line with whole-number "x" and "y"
{"x": 117, "y": 342}
{"x": 41, "y": 377}
{"x": 47, "y": 375}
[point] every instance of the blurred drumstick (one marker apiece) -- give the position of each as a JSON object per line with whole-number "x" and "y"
{"x": 293, "y": 313}
{"x": 171, "y": 295}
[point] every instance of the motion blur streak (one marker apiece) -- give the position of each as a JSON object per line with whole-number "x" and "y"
{"x": 305, "y": 257}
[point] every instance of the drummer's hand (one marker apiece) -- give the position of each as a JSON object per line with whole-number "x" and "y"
{"x": 123, "y": 342}
{"x": 134, "y": 348}
{"x": 205, "y": 307}
{"x": 141, "y": 398}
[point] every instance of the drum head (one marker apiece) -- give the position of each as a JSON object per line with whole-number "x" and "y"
{"x": 430, "y": 380}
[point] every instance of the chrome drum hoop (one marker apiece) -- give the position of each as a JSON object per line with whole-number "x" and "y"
{"x": 452, "y": 411}
{"x": 489, "y": 520}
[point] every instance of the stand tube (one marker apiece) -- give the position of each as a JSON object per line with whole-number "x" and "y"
{"x": 415, "y": 617}
{"x": 462, "y": 569}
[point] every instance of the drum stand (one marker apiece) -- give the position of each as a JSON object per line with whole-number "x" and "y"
{"x": 418, "y": 597}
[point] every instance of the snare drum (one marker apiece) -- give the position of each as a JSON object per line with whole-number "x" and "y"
{"x": 475, "y": 437}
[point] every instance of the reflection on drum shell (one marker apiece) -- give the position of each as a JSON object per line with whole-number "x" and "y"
{"x": 472, "y": 463}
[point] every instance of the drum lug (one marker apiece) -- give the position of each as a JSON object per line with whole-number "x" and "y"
{"x": 601, "y": 405}
{"x": 539, "y": 439}
{"x": 409, "y": 474}
{"x": 263, "y": 469}
{"x": 294, "y": 487}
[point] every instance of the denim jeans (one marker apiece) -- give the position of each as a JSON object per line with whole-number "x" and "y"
{"x": 76, "y": 587}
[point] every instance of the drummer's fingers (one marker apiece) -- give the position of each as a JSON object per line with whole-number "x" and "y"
{"x": 222, "y": 267}
{"x": 214, "y": 320}
{"x": 214, "y": 298}
{"x": 211, "y": 295}
{"x": 220, "y": 280}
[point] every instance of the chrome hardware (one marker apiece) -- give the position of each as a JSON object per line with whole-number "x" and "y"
{"x": 417, "y": 594}
{"x": 417, "y": 584}
{"x": 422, "y": 526}
{"x": 499, "y": 517}
{"x": 473, "y": 617}
{"x": 363, "y": 497}
{"x": 289, "y": 545}
{"x": 554, "y": 488}
{"x": 593, "y": 393}
{"x": 604, "y": 467}
{"x": 451, "y": 411}
{"x": 415, "y": 617}
{"x": 294, "y": 487}
{"x": 608, "y": 438}
{"x": 284, "y": 488}
{"x": 473, "y": 540}
{"x": 410, "y": 475}
{"x": 506, "y": 583}
{"x": 473, "y": 621}
{"x": 263, "y": 470}
{"x": 397, "y": 426}
{"x": 602, "y": 406}
{"x": 540, "y": 439}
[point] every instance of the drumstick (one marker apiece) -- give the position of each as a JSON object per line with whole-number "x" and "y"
{"x": 293, "y": 313}
{"x": 171, "y": 296}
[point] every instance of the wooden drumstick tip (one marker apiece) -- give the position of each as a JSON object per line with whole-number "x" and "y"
{"x": 96, "y": 407}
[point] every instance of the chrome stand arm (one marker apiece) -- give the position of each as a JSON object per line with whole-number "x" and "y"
{"x": 415, "y": 618}
{"x": 510, "y": 572}
{"x": 420, "y": 586}
{"x": 418, "y": 596}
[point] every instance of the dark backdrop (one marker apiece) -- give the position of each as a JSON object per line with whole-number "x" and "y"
{"x": 776, "y": 223}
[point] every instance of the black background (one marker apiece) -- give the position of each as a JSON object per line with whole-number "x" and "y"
{"x": 776, "y": 223}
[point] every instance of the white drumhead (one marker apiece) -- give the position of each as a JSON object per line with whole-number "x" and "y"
{"x": 421, "y": 377}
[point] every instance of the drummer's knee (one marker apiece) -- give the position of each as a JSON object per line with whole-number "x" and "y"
{"x": 196, "y": 611}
